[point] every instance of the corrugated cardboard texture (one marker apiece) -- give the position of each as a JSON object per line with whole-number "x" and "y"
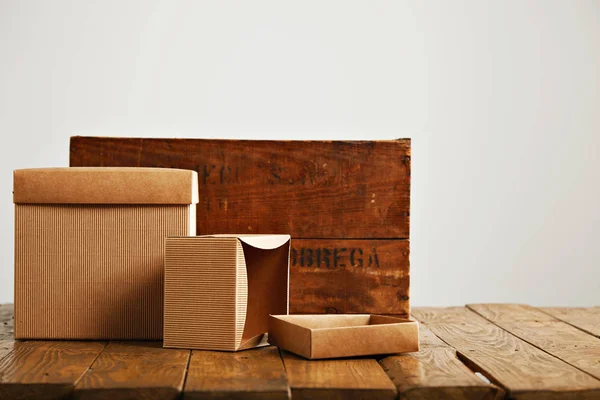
{"x": 333, "y": 336}
{"x": 93, "y": 271}
{"x": 220, "y": 290}
{"x": 108, "y": 185}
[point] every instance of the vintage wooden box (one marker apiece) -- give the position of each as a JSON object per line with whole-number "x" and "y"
{"x": 346, "y": 205}
{"x": 221, "y": 289}
{"x": 89, "y": 245}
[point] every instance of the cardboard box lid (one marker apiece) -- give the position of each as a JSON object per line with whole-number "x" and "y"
{"x": 225, "y": 286}
{"x": 343, "y": 335}
{"x": 105, "y": 185}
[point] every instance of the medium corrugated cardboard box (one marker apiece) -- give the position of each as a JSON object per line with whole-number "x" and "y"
{"x": 343, "y": 335}
{"x": 89, "y": 246}
{"x": 221, "y": 289}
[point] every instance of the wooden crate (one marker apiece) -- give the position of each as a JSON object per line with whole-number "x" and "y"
{"x": 345, "y": 204}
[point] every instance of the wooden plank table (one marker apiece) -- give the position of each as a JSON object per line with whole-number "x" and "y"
{"x": 481, "y": 351}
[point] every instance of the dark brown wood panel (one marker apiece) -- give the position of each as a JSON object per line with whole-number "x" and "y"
{"x": 435, "y": 372}
{"x": 523, "y": 370}
{"x": 349, "y": 276}
{"x": 361, "y": 378}
{"x": 45, "y": 369}
{"x": 308, "y": 189}
{"x": 345, "y": 204}
{"x": 585, "y": 318}
{"x": 135, "y": 370}
{"x": 252, "y": 374}
{"x": 545, "y": 332}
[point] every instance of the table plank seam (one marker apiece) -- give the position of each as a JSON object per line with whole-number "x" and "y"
{"x": 89, "y": 366}
{"x": 462, "y": 358}
{"x": 185, "y": 374}
{"x": 567, "y": 322}
{"x": 498, "y": 391}
{"x": 476, "y": 369}
{"x": 468, "y": 306}
{"x": 289, "y": 387}
{"x": 471, "y": 365}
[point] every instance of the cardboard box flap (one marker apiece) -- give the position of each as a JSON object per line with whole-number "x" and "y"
{"x": 105, "y": 185}
{"x": 267, "y": 274}
{"x": 266, "y": 242}
{"x": 256, "y": 341}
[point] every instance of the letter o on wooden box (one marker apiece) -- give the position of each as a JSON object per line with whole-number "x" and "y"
{"x": 221, "y": 289}
{"x": 89, "y": 246}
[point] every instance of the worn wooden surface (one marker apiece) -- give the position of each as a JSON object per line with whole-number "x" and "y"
{"x": 308, "y": 189}
{"x": 525, "y": 371}
{"x": 435, "y": 372}
{"x": 524, "y": 351}
{"x": 345, "y": 204}
{"x": 256, "y": 374}
{"x": 360, "y": 378}
{"x": 585, "y": 318}
{"x": 134, "y": 370}
{"x": 45, "y": 369}
{"x": 349, "y": 276}
{"x": 545, "y": 332}
{"x": 7, "y": 328}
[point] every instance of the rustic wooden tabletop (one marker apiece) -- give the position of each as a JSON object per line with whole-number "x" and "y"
{"x": 483, "y": 351}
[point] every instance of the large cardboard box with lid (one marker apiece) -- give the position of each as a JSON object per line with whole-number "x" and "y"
{"x": 89, "y": 245}
{"x": 221, "y": 289}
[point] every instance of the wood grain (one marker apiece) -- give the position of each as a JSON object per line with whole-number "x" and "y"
{"x": 7, "y": 328}
{"x": 135, "y": 370}
{"x": 252, "y": 374}
{"x": 435, "y": 372}
{"x": 585, "y": 318}
{"x": 308, "y": 189}
{"x": 7, "y": 321}
{"x": 523, "y": 370}
{"x": 45, "y": 369}
{"x": 349, "y": 276}
{"x": 6, "y": 345}
{"x": 360, "y": 378}
{"x": 545, "y": 332}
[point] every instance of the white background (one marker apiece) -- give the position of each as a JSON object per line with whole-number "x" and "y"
{"x": 501, "y": 99}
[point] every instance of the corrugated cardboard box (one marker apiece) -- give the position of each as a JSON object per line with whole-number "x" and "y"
{"x": 332, "y": 336}
{"x": 221, "y": 289}
{"x": 89, "y": 246}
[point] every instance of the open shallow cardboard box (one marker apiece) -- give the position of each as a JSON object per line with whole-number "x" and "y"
{"x": 221, "y": 289}
{"x": 332, "y": 336}
{"x": 89, "y": 248}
